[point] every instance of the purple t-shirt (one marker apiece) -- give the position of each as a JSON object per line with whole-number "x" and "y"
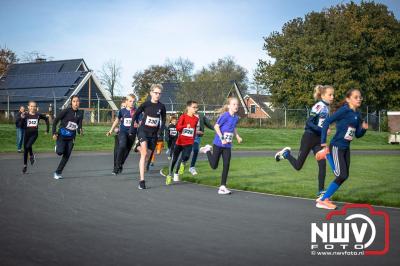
{"x": 227, "y": 125}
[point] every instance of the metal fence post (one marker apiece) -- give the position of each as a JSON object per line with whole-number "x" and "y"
{"x": 285, "y": 118}
{"x": 379, "y": 120}
{"x": 55, "y": 104}
{"x": 8, "y": 106}
{"x": 98, "y": 108}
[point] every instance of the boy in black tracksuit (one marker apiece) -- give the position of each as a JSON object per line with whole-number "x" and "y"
{"x": 171, "y": 136}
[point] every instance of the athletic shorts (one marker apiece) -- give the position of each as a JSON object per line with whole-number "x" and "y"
{"x": 151, "y": 141}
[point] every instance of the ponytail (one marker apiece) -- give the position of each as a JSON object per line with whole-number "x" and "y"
{"x": 225, "y": 107}
{"x": 348, "y": 95}
{"x": 320, "y": 90}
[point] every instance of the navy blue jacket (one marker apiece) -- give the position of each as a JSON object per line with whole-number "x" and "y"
{"x": 348, "y": 126}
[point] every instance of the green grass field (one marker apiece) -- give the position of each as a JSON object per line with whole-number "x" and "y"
{"x": 373, "y": 179}
{"x": 253, "y": 139}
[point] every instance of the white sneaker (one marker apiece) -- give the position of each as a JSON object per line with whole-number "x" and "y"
{"x": 223, "y": 191}
{"x": 167, "y": 152}
{"x": 57, "y": 176}
{"x": 176, "y": 178}
{"x": 193, "y": 171}
{"x": 205, "y": 149}
{"x": 280, "y": 154}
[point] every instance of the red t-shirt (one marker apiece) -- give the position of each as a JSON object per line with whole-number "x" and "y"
{"x": 186, "y": 133}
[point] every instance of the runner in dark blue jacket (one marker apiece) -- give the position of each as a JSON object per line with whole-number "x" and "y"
{"x": 349, "y": 125}
{"x": 311, "y": 139}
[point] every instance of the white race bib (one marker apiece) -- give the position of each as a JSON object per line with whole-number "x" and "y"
{"x": 152, "y": 121}
{"x": 228, "y": 137}
{"x": 172, "y": 132}
{"x": 321, "y": 122}
{"x": 188, "y": 132}
{"x": 350, "y": 133}
{"x": 32, "y": 122}
{"x": 71, "y": 125}
{"x": 127, "y": 122}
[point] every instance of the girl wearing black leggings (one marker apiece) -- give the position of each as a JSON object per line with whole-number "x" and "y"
{"x": 30, "y": 123}
{"x": 311, "y": 139}
{"x": 225, "y": 129}
{"x": 70, "y": 123}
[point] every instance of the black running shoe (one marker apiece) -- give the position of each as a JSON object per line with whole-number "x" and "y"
{"x": 32, "y": 159}
{"x": 142, "y": 185}
{"x": 24, "y": 170}
{"x": 120, "y": 169}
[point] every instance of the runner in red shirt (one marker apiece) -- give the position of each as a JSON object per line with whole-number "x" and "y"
{"x": 186, "y": 128}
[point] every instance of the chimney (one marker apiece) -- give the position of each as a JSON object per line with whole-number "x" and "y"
{"x": 40, "y": 60}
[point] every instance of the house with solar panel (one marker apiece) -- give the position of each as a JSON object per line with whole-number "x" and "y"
{"x": 51, "y": 84}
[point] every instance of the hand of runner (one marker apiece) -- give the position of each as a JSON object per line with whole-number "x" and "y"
{"x": 365, "y": 125}
{"x": 55, "y": 136}
{"x": 239, "y": 139}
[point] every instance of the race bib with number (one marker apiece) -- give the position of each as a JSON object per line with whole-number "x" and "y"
{"x": 32, "y": 122}
{"x": 188, "y": 132}
{"x": 321, "y": 122}
{"x": 228, "y": 137}
{"x": 127, "y": 122}
{"x": 71, "y": 125}
{"x": 152, "y": 121}
{"x": 350, "y": 133}
{"x": 172, "y": 132}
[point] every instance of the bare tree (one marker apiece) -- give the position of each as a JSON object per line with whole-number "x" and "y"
{"x": 7, "y": 57}
{"x": 33, "y": 56}
{"x": 110, "y": 76}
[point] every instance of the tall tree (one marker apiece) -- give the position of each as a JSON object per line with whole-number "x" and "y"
{"x": 183, "y": 68}
{"x": 7, "y": 57}
{"x": 347, "y": 46}
{"x": 110, "y": 76}
{"x": 142, "y": 80}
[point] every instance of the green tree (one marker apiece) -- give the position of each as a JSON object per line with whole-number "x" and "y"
{"x": 142, "y": 80}
{"x": 346, "y": 46}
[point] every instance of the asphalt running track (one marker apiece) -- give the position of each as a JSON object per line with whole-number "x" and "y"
{"x": 93, "y": 218}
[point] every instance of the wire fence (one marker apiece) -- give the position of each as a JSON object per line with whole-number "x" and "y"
{"x": 98, "y": 111}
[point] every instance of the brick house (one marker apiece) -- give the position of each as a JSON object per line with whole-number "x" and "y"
{"x": 259, "y": 106}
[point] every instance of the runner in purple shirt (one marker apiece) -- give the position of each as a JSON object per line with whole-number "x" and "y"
{"x": 225, "y": 129}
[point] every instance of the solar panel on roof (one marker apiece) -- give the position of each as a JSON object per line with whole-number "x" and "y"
{"x": 41, "y": 80}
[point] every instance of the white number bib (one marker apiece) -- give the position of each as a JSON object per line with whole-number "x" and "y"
{"x": 71, "y": 125}
{"x": 350, "y": 133}
{"x": 188, "y": 132}
{"x": 127, "y": 122}
{"x": 321, "y": 122}
{"x": 172, "y": 132}
{"x": 32, "y": 122}
{"x": 152, "y": 121}
{"x": 228, "y": 137}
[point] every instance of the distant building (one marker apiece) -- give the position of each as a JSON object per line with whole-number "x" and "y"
{"x": 50, "y": 84}
{"x": 259, "y": 106}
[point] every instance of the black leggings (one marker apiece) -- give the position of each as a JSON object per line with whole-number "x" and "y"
{"x": 171, "y": 145}
{"x": 341, "y": 160}
{"x": 125, "y": 143}
{"x": 115, "y": 150}
{"x": 185, "y": 150}
{"x": 29, "y": 140}
{"x": 309, "y": 142}
{"x": 213, "y": 159}
{"x": 64, "y": 148}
